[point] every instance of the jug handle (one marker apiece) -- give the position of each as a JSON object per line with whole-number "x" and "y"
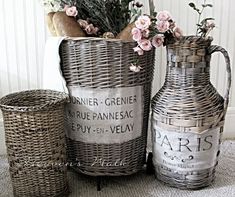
{"x": 212, "y": 49}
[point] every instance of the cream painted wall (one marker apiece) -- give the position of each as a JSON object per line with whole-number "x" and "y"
{"x": 23, "y": 36}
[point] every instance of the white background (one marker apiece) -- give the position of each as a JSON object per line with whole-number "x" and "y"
{"x": 23, "y": 35}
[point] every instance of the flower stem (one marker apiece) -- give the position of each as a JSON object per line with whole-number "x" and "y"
{"x": 199, "y": 17}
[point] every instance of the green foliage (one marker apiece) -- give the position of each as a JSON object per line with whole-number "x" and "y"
{"x": 135, "y": 13}
{"x": 95, "y": 11}
{"x": 152, "y": 9}
{"x": 107, "y": 15}
{"x": 118, "y": 12}
{"x": 192, "y": 5}
{"x": 207, "y": 5}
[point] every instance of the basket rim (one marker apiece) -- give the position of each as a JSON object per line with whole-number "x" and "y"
{"x": 97, "y": 39}
{"x": 60, "y": 98}
{"x": 190, "y": 41}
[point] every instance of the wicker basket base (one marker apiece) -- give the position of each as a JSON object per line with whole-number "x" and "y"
{"x": 114, "y": 159}
{"x": 64, "y": 193}
{"x": 200, "y": 180}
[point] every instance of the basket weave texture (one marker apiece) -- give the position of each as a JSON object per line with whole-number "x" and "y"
{"x": 35, "y": 140}
{"x": 188, "y": 102}
{"x": 103, "y": 63}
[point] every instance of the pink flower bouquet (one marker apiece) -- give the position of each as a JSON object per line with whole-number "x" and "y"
{"x": 152, "y": 32}
{"x": 161, "y": 29}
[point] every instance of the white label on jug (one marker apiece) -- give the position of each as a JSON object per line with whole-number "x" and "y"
{"x": 185, "y": 151}
{"x": 111, "y": 115}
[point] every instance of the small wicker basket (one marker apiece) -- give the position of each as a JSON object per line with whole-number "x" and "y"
{"x": 35, "y": 140}
{"x": 101, "y": 67}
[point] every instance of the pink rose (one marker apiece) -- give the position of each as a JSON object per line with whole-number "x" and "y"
{"x": 158, "y": 40}
{"x": 135, "y": 31}
{"x": 163, "y": 26}
{"x": 143, "y": 22}
{"x": 71, "y": 11}
{"x": 135, "y": 68}
{"x": 145, "y": 33}
{"x": 83, "y": 23}
{"x": 145, "y": 44}
{"x": 164, "y": 16}
{"x": 66, "y": 7}
{"x": 95, "y": 30}
{"x": 90, "y": 29}
{"x": 137, "y": 35}
{"x": 138, "y": 50}
{"x": 178, "y": 32}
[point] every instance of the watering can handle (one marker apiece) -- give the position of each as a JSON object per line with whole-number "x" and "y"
{"x": 215, "y": 48}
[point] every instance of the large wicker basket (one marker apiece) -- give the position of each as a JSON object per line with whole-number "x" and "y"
{"x": 101, "y": 67}
{"x": 35, "y": 140}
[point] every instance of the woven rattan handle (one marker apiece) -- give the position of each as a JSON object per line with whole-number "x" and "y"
{"x": 215, "y": 48}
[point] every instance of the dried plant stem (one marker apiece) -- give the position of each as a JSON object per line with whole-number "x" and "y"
{"x": 207, "y": 33}
{"x": 199, "y": 17}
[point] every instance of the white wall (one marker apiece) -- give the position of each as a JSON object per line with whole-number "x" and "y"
{"x": 22, "y": 38}
{"x": 23, "y": 35}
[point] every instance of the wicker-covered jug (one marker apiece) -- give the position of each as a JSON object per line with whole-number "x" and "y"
{"x": 188, "y": 116}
